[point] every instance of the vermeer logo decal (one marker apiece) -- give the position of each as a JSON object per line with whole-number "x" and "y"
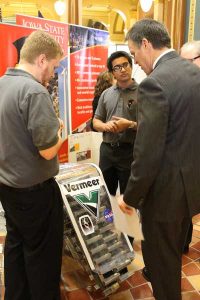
{"x": 90, "y": 202}
{"x": 86, "y": 192}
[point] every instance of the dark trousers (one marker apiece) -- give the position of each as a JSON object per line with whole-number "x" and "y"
{"x": 115, "y": 164}
{"x": 189, "y": 235}
{"x": 33, "y": 246}
{"x": 162, "y": 252}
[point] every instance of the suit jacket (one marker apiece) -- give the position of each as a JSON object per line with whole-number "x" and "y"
{"x": 165, "y": 173}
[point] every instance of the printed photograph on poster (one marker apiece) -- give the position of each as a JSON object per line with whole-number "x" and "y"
{"x": 52, "y": 87}
{"x": 83, "y": 155}
{"x": 81, "y": 37}
{"x": 63, "y": 94}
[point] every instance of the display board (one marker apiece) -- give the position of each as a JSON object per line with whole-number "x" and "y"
{"x": 72, "y": 89}
{"x": 88, "y": 56}
{"x": 84, "y": 147}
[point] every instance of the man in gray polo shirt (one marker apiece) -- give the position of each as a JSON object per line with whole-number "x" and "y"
{"x": 116, "y": 105}
{"x": 30, "y": 135}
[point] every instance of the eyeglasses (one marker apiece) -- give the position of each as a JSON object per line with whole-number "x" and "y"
{"x": 192, "y": 59}
{"x": 118, "y": 68}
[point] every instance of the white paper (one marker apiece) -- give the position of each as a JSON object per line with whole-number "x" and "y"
{"x": 129, "y": 224}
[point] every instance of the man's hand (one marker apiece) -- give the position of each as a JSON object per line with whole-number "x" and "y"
{"x": 123, "y": 124}
{"x": 61, "y": 127}
{"x": 124, "y": 207}
{"x": 101, "y": 126}
{"x": 110, "y": 126}
{"x": 61, "y": 123}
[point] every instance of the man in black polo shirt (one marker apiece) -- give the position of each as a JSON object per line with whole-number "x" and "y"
{"x": 30, "y": 135}
{"x": 117, "y": 104}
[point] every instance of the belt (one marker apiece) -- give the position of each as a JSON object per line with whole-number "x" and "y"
{"x": 119, "y": 144}
{"x": 27, "y": 189}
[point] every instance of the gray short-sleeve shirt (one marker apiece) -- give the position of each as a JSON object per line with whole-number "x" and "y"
{"x": 28, "y": 124}
{"x": 119, "y": 102}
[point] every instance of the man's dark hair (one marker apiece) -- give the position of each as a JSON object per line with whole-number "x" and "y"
{"x": 154, "y": 31}
{"x": 115, "y": 55}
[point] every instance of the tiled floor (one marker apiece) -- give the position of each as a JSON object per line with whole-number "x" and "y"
{"x": 76, "y": 283}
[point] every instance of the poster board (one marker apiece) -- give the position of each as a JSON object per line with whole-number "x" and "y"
{"x": 85, "y": 55}
{"x": 88, "y": 56}
{"x": 84, "y": 147}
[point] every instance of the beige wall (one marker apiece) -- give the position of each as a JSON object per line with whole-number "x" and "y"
{"x": 117, "y": 15}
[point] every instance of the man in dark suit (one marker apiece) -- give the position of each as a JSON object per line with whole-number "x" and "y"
{"x": 165, "y": 173}
{"x": 191, "y": 52}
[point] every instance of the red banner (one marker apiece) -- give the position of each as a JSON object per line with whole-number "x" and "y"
{"x": 86, "y": 64}
{"x": 57, "y": 29}
{"x": 89, "y": 52}
{"x": 12, "y": 38}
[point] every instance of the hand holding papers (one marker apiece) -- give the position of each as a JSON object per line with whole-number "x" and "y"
{"x": 126, "y": 221}
{"x": 126, "y": 209}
